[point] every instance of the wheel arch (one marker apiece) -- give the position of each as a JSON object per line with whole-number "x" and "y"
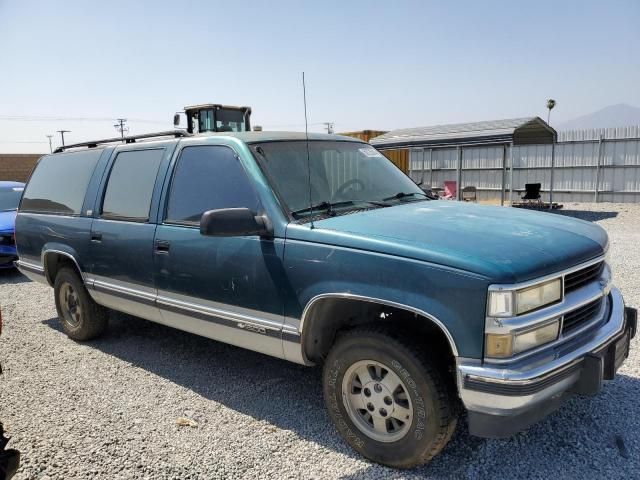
{"x": 320, "y": 321}
{"x": 54, "y": 259}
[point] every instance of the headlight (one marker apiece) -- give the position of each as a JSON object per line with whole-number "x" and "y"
{"x": 505, "y": 345}
{"x": 508, "y": 303}
{"x": 538, "y": 296}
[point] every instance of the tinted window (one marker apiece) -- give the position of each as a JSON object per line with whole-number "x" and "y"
{"x": 10, "y": 197}
{"x": 131, "y": 184}
{"x": 208, "y": 178}
{"x": 59, "y": 183}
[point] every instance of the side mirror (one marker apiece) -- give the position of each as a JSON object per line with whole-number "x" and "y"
{"x": 233, "y": 222}
{"x": 176, "y": 120}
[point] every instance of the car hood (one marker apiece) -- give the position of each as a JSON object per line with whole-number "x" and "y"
{"x": 7, "y": 220}
{"x": 504, "y": 244}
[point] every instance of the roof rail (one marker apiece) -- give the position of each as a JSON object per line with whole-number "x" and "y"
{"x": 130, "y": 139}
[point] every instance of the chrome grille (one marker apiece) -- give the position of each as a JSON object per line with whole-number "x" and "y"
{"x": 579, "y": 278}
{"x": 580, "y": 316}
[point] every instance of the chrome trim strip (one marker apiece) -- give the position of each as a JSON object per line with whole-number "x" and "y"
{"x": 551, "y": 276}
{"x": 111, "y": 287}
{"x": 30, "y": 266}
{"x": 401, "y": 306}
{"x": 215, "y": 312}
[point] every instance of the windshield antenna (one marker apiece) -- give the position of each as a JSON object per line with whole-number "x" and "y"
{"x": 306, "y": 134}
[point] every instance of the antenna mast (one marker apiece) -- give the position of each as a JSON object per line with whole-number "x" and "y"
{"x": 306, "y": 134}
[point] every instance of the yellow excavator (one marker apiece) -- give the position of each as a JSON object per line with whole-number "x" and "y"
{"x": 213, "y": 117}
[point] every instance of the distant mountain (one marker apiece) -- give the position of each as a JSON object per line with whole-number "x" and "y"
{"x": 620, "y": 115}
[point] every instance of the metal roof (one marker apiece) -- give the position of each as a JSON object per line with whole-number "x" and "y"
{"x": 520, "y": 131}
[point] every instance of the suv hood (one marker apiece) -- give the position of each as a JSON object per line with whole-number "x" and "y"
{"x": 506, "y": 245}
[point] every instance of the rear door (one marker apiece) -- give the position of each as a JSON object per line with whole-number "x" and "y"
{"x": 122, "y": 233}
{"x": 226, "y": 288}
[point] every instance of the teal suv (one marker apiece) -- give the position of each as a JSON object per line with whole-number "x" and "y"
{"x": 322, "y": 252}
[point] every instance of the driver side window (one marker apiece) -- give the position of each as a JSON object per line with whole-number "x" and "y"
{"x": 208, "y": 178}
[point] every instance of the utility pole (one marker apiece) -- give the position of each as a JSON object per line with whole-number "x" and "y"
{"x": 62, "y": 132}
{"x": 121, "y": 127}
{"x": 50, "y": 146}
{"x": 329, "y": 126}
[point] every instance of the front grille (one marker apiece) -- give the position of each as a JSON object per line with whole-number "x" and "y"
{"x": 579, "y": 278}
{"x": 580, "y": 316}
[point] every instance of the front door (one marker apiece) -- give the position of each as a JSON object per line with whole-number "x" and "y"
{"x": 224, "y": 288}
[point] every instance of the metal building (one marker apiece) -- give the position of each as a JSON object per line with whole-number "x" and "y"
{"x": 477, "y": 153}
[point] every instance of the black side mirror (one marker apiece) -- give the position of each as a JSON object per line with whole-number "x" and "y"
{"x": 233, "y": 222}
{"x": 176, "y": 120}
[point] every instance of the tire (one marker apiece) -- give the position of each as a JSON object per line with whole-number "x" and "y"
{"x": 81, "y": 318}
{"x": 422, "y": 415}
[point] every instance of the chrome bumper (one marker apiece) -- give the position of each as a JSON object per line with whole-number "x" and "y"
{"x": 515, "y": 396}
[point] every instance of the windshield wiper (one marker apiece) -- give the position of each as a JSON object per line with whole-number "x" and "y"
{"x": 400, "y": 195}
{"x": 326, "y": 206}
{"x": 329, "y": 206}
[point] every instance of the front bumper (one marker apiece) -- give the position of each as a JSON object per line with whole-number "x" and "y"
{"x": 8, "y": 255}
{"x": 504, "y": 400}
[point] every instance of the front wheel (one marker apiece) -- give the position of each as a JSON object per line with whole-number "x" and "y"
{"x": 387, "y": 399}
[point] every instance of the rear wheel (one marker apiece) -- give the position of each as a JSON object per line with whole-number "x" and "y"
{"x": 387, "y": 399}
{"x": 81, "y": 318}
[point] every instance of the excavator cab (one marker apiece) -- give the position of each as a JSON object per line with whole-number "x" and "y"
{"x": 213, "y": 117}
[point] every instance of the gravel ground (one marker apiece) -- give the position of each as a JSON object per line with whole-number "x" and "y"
{"x": 108, "y": 408}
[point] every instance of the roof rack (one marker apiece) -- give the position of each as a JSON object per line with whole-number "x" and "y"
{"x": 130, "y": 139}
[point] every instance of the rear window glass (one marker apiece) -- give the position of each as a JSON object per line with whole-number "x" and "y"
{"x": 130, "y": 185}
{"x": 59, "y": 183}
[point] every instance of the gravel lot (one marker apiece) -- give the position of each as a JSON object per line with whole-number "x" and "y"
{"x": 108, "y": 408}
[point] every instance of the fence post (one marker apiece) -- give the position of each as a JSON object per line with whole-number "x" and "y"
{"x": 431, "y": 167}
{"x": 553, "y": 159}
{"x": 600, "y": 152}
{"x": 422, "y": 174}
{"x": 504, "y": 173}
{"x": 459, "y": 175}
{"x": 511, "y": 174}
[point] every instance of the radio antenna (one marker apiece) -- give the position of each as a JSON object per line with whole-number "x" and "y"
{"x": 306, "y": 134}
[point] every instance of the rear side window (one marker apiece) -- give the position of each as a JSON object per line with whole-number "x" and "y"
{"x": 59, "y": 183}
{"x": 208, "y": 178}
{"x": 130, "y": 185}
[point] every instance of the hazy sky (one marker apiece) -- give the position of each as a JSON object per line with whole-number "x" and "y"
{"x": 369, "y": 65}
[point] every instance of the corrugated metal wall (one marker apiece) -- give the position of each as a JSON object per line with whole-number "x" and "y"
{"x": 614, "y": 161}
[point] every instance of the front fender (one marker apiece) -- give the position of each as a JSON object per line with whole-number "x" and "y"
{"x": 453, "y": 299}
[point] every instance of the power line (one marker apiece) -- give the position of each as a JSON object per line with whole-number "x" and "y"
{"x": 44, "y": 118}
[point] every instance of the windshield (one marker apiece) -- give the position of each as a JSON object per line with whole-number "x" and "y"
{"x": 9, "y": 198}
{"x": 343, "y": 175}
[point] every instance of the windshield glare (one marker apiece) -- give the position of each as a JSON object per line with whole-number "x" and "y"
{"x": 340, "y": 172}
{"x": 9, "y": 198}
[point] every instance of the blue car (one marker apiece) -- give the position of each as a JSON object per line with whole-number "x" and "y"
{"x": 10, "y": 193}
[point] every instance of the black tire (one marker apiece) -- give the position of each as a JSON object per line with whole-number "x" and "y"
{"x": 434, "y": 410}
{"x": 91, "y": 319}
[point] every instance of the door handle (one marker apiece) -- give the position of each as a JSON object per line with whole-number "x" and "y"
{"x": 162, "y": 246}
{"x": 96, "y": 237}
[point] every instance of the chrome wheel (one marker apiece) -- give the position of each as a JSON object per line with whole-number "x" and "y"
{"x": 377, "y": 401}
{"x": 70, "y": 305}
